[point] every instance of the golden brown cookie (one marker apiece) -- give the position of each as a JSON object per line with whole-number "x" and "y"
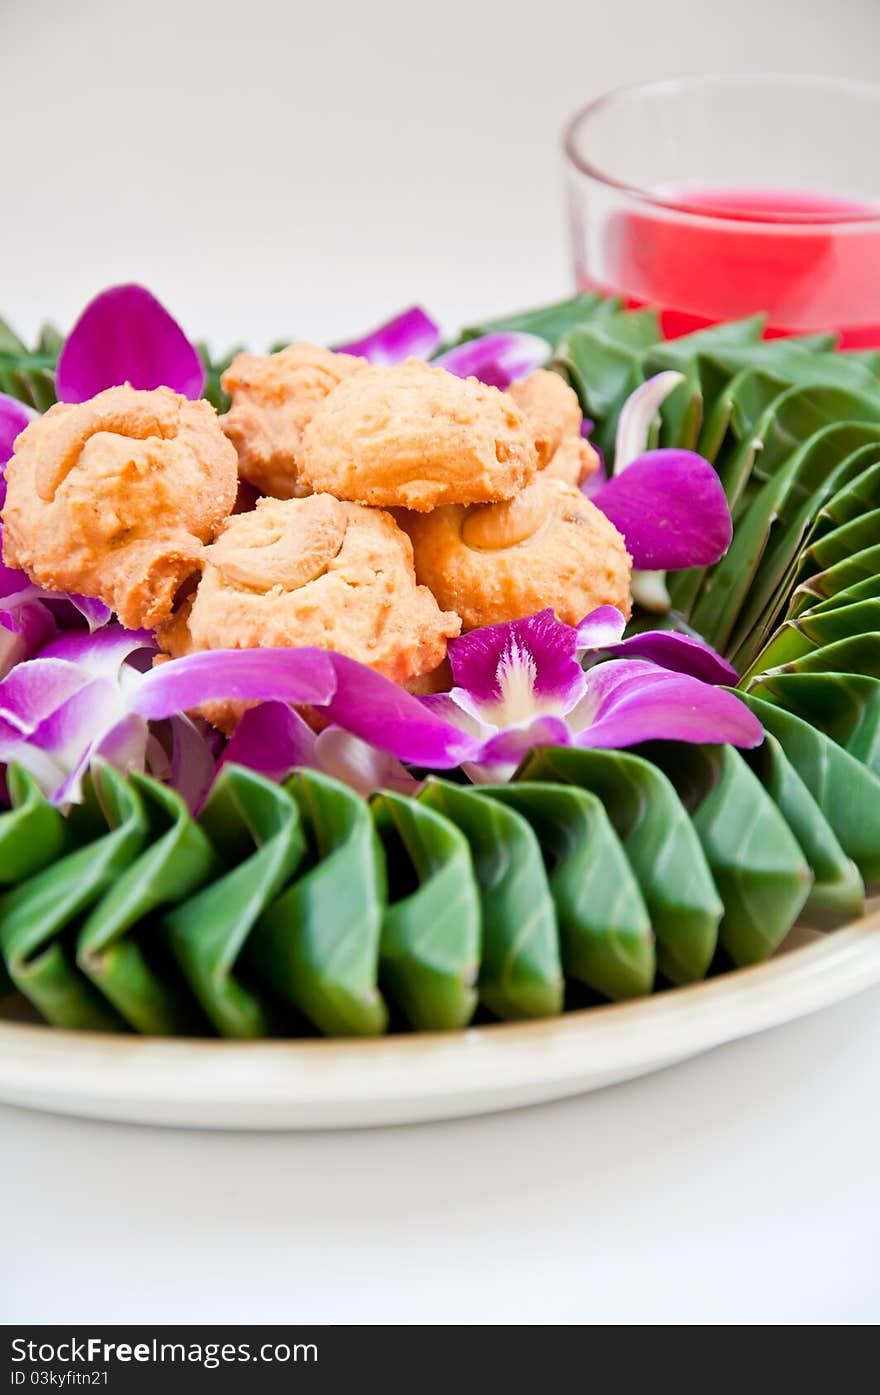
{"x": 315, "y": 571}
{"x": 573, "y": 461}
{"x": 416, "y": 437}
{"x": 547, "y": 547}
{"x": 115, "y": 497}
{"x": 554, "y": 415}
{"x": 274, "y": 397}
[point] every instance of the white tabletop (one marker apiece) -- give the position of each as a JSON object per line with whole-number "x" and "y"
{"x": 308, "y": 174}
{"x": 740, "y": 1187}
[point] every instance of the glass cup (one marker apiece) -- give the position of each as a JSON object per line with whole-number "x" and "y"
{"x": 718, "y": 197}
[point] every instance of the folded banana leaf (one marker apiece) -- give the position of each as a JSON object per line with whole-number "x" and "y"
{"x": 841, "y": 543}
{"x": 847, "y": 792}
{"x": 32, "y": 835}
{"x": 520, "y": 971}
{"x": 254, "y": 827}
{"x": 605, "y": 931}
{"x": 837, "y": 892}
{"x": 661, "y": 844}
{"x": 858, "y": 654}
{"x": 862, "y": 568}
{"x": 317, "y": 945}
{"x": 814, "y": 629}
{"x": 604, "y": 359}
{"x": 39, "y": 917}
{"x": 866, "y": 590}
{"x": 857, "y": 498}
{"x": 746, "y": 579}
{"x": 828, "y": 461}
{"x": 846, "y": 706}
{"x": 755, "y": 859}
{"x": 431, "y": 934}
{"x": 550, "y": 322}
{"x": 120, "y": 946}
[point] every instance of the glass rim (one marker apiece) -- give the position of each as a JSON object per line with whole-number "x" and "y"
{"x": 704, "y": 212}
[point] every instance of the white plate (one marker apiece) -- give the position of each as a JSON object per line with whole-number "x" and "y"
{"x": 401, "y": 1079}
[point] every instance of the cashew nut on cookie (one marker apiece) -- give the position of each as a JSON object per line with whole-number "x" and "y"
{"x": 554, "y": 415}
{"x": 315, "y": 571}
{"x": 547, "y": 547}
{"x": 115, "y": 497}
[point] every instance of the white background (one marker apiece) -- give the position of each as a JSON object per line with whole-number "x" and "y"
{"x": 272, "y": 169}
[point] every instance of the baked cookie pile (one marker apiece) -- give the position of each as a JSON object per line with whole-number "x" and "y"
{"x": 400, "y": 505}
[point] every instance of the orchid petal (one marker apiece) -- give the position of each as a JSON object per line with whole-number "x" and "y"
{"x": 680, "y": 654}
{"x": 32, "y": 691}
{"x": 637, "y": 416}
{"x": 501, "y": 754}
{"x": 410, "y": 333}
{"x": 496, "y": 359}
{"x": 301, "y": 676}
{"x": 95, "y": 613}
{"x": 478, "y": 659}
{"x": 271, "y": 739}
{"x": 630, "y": 701}
{"x": 100, "y": 654}
{"x": 193, "y": 763}
{"x": 23, "y": 632}
{"x": 671, "y": 508}
{"x": 602, "y": 629}
{"x": 359, "y": 765}
{"x": 14, "y": 417}
{"x": 125, "y": 335}
{"x": 387, "y": 716}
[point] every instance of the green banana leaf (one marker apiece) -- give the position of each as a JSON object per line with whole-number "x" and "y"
{"x": 120, "y": 947}
{"x": 859, "y": 654}
{"x": 862, "y": 568}
{"x": 814, "y": 629}
{"x": 661, "y": 844}
{"x": 550, "y": 322}
{"x": 317, "y": 945}
{"x": 868, "y": 589}
{"x": 254, "y": 827}
{"x": 38, "y": 917}
{"x": 755, "y": 860}
{"x": 837, "y": 892}
{"x": 828, "y": 461}
{"x": 431, "y": 934}
{"x": 847, "y": 792}
{"x": 604, "y": 362}
{"x": 731, "y": 601}
{"x": 605, "y": 931}
{"x": 857, "y": 498}
{"x": 28, "y": 375}
{"x": 842, "y": 543}
{"x": 33, "y": 833}
{"x": 520, "y": 971}
{"x": 846, "y": 706}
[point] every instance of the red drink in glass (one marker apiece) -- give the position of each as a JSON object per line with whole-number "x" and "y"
{"x": 662, "y": 234}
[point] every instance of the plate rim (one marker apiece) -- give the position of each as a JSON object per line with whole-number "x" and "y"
{"x": 351, "y": 1082}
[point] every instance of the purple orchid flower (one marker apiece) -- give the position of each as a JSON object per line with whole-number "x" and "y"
{"x": 519, "y": 685}
{"x": 125, "y": 335}
{"x": 14, "y": 417}
{"x": 669, "y": 505}
{"x": 87, "y": 695}
{"x": 411, "y": 333}
{"x": 601, "y": 632}
{"x": 496, "y": 359}
{"x": 274, "y": 740}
